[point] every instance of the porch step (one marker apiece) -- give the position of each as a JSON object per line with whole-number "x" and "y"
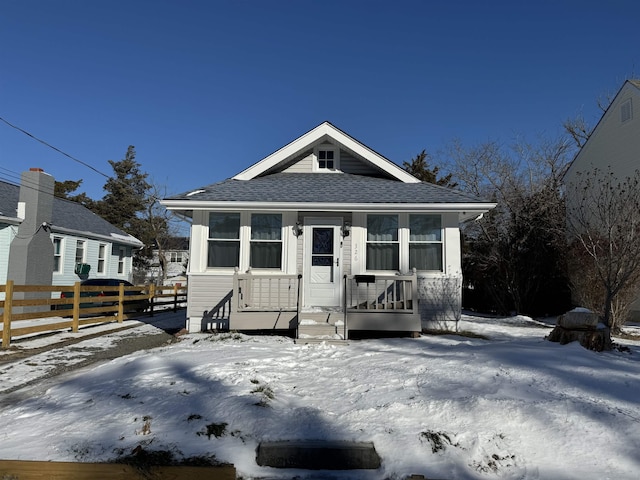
{"x": 310, "y": 331}
{"x": 318, "y": 455}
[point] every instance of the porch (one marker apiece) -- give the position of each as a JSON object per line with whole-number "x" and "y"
{"x": 275, "y": 302}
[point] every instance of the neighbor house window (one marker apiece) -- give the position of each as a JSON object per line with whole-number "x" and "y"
{"x": 425, "y": 242}
{"x": 175, "y": 257}
{"x": 224, "y": 240}
{"x": 383, "y": 247}
{"x": 122, "y": 257}
{"x": 57, "y": 254}
{"x": 80, "y": 251}
{"x": 102, "y": 257}
{"x": 266, "y": 240}
{"x": 626, "y": 111}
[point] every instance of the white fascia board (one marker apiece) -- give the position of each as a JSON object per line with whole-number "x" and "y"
{"x": 120, "y": 239}
{"x": 10, "y": 220}
{"x": 309, "y": 138}
{"x": 469, "y": 210}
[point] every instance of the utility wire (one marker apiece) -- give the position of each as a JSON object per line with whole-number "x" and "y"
{"x": 54, "y": 148}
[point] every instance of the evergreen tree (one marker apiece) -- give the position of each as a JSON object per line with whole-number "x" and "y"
{"x": 126, "y": 201}
{"x": 419, "y": 168}
{"x": 64, "y": 189}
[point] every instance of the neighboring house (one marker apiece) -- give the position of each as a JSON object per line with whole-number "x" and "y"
{"x": 81, "y": 244}
{"x": 615, "y": 141}
{"x": 614, "y": 144}
{"x": 325, "y": 232}
{"x": 176, "y": 255}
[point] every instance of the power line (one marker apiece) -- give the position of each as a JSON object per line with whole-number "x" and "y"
{"x": 54, "y": 148}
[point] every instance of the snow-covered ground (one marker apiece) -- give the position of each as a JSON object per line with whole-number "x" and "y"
{"x": 514, "y": 406}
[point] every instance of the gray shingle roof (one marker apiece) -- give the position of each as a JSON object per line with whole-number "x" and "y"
{"x": 337, "y": 188}
{"x": 66, "y": 214}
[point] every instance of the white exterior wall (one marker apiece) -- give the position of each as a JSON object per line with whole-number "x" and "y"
{"x": 6, "y": 236}
{"x": 613, "y": 143}
{"x": 439, "y": 293}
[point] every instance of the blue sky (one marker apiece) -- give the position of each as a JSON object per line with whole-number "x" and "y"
{"x": 204, "y": 89}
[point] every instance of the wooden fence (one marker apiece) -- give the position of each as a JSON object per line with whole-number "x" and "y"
{"x": 95, "y": 304}
{"x": 32, "y": 470}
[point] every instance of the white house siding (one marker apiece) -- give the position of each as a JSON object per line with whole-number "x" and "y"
{"x": 353, "y": 165}
{"x": 303, "y": 164}
{"x": 6, "y": 236}
{"x": 204, "y": 293}
{"x": 613, "y": 144}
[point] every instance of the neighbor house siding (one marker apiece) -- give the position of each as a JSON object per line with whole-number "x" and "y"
{"x": 613, "y": 144}
{"x": 67, "y": 275}
{"x": 6, "y": 236}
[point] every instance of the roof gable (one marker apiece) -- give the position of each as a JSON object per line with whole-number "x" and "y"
{"x": 325, "y": 132}
{"x": 611, "y": 141}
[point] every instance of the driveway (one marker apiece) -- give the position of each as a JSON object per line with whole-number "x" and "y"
{"x": 31, "y": 362}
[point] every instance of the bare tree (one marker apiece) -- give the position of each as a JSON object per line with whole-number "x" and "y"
{"x": 514, "y": 255}
{"x": 603, "y": 215}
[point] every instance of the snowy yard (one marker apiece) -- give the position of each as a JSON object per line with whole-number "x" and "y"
{"x": 511, "y": 407}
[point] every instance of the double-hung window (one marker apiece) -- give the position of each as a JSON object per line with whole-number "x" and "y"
{"x": 425, "y": 242}
{"x": 383, "y": 246}
{"x": 102, "y": 256}
{"x": 80, "y": 251}
{"x": 57, "y": 254}
{"x": 122, "y": 258}
{"x": 224, "y": 240}
{"x": 266, "y": 241}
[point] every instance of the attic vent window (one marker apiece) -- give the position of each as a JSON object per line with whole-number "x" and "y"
{"x": 325, "y": 159}
{"x": 626, "y": 111}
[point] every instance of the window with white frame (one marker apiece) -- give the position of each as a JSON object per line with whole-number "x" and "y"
{"x": 425, "y": 242}
{"x": 57, "y": 255}
{"x": 122, "y": 258}
{"x": 327, "y": 158}
{"x": 223, "y": 248}
{"x": 175, "y": 257}
{"x": 383, "y": 246}
{"x": 266, "y": 241}
{"x": 102, "y": 258}
{"x": 80, "y": 251}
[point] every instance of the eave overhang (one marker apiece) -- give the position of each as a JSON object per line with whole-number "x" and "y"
{"x": 466, "y": 211}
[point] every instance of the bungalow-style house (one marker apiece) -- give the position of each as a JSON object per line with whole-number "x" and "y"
{"x": 614, "y": 144}
{"x": 49, "y": 240}
{"x": 324, "y": 237}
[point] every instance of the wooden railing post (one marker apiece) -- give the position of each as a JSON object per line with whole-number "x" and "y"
{"x": 76, "y": 307}
{"x": 6, "y": 317}
{"x": 120, "y": 302}
{"x": 152, "y": 296}
{"x": 175, "y": 298}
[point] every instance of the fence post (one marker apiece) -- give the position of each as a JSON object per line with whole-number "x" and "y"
{"x": 76, "y": 308}
{"x": 6, "y": 318}
{"x": 120, "y": 302}
{"x": 152, "y": 296}
{"x": 175, "y": 298}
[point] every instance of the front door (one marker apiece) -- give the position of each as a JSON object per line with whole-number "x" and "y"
{"x": 322, "y": 262}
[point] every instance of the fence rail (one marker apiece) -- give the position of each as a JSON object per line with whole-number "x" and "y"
{"x": 95, "y": 304}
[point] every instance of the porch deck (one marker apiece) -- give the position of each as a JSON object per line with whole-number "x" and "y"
{"x": 369, "y": 302}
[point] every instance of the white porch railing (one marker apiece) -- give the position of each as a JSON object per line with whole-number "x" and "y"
{"x": 266, "y": 293}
